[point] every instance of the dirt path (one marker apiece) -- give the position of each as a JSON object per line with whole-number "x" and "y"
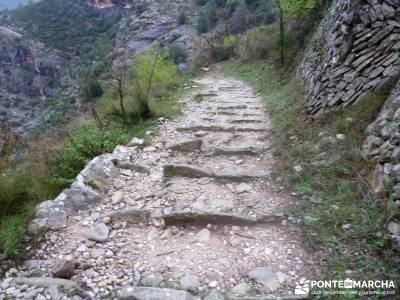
{"x": 197, "y": 209}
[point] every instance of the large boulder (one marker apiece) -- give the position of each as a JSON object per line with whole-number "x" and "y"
{"x": 49, "y": 215}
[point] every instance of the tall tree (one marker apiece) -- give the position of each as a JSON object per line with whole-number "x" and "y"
{"x": 239, "y": 20}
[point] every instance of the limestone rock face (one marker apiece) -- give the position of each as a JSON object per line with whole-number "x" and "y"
{"x": 30, "y": 75}
{"x": 356, "y": 50}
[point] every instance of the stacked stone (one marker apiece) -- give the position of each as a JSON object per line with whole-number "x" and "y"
{"x": 383, "y": 145}
{"x": 356, "y": 51}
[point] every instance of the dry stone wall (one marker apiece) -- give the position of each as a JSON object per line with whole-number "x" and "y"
{"x": 383, "y": 146}
{"x": 355, "y": 50}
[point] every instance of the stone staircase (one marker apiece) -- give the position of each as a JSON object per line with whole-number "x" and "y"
{"x": 193, "y": 215}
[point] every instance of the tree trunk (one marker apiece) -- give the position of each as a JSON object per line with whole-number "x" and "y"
{"x": 121, "y": 99}
{"x": 281, "y": 34}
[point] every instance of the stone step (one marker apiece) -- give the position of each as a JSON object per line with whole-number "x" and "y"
{"x": 231, "y": 107}
{"x": 234, "y": 121}
{"x": 186, "y": 170}
{"x": 207, "y": 194}
{"x": 152, "y": 293}
{"x": 207, "y": 127}
{"x": 241, "y": 175}
{"x": 226, "y": 113}
{"x": 246, "y": 121}
{"x": 174, "y": 217}
{"x": 237, "y": 150}
{"x": 48, "y": 282}
{"x": 187, "y": 145}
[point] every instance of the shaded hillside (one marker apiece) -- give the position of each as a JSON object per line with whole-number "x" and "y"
{"x": 11, "y": 4}
{"x": 64, "y": 24}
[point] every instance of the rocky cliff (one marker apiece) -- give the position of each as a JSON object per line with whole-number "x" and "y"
{"x": 36, "y": 83}
{"x": 355, "y": 50}
{"x": 30, "y": 75}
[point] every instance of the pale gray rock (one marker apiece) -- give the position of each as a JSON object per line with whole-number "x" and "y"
{"x": 187, "y": 146}
{"x": 150, "y": 293}
{"x": 80, "y": 196}
{"x": 32, "y": 264}
{"x": 266, "y": 276}
{"x": 64, "y": 268}
{"x": 215, "y": 296}
{"x": 49, "y": 215}
{"x": 190, "y": 282}
{"x": 186, "y": 171}
{"x": 47, "y": 282}
{"x": 136, "y": 142}
{"x": 241, "y": 289}
{"x": 131, "y": 216}
{"x": 98, "y": 232}
{"x": 203, "y": 236}
{"x": 100, "y": 172}
{"x": 151, "y": 280}
{"x": 243, "y": 188}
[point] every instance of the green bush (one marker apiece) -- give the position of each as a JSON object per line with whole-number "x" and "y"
{"x": 155, "y": 77}
{"x": 85, "y": 144}
{"x": 93, "y": 90}
{"x": 208, "y": 18}
{"x": 23, "y": 186}
{"x": 140, "y": 9}
{"x": 182, "y": 18}
{"x": 177, "y": 54}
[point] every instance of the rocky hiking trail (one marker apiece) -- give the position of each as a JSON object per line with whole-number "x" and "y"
{"x": 193, "y": 215}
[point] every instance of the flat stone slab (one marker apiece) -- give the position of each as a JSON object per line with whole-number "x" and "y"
{"x": 246, "y": 121}
{"x": 233, "y": 107}
{"x": 131, "y": 216}
{"x": 136, "y": 167}
{"x": 185, "y": 170}
{"x": 48, "y": 282}
{"x": 187, "y": 146}
{"x": 241, "y": 175}
{"x": 237, "y": 150}
{"x": 173, "y": 217}
{"x": 150, "y": 293}
{"x": 220, "y": 128}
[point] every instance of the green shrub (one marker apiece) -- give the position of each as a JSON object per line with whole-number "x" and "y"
{"x": 85, "y": 144}
{"x": 12, "y": 232}
{"x": 182, "y": 18}
{"x": 93, "y": 90}
{"x": 140, "y": 9}
{"x": 177, "y": 54}
{"x": 21, "y": 187}
{"x": 155, "y": 77}
{"x": 208, "y": 18}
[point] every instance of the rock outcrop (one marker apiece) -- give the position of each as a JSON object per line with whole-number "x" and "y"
{"x": 30, "y": 75}
{"x": 355, "y": 50}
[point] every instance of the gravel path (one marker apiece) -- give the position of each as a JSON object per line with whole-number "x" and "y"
{"x": 196, "y": 210}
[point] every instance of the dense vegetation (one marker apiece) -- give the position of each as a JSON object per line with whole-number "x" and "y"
{"x": 66, "y": 25}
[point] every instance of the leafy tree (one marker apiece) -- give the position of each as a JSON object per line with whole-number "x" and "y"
{"x": 298, "y": 8}
{"x": 208, "y": 18}
{"x": 293, "y": 9}
{"x": 239, "y": 21}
